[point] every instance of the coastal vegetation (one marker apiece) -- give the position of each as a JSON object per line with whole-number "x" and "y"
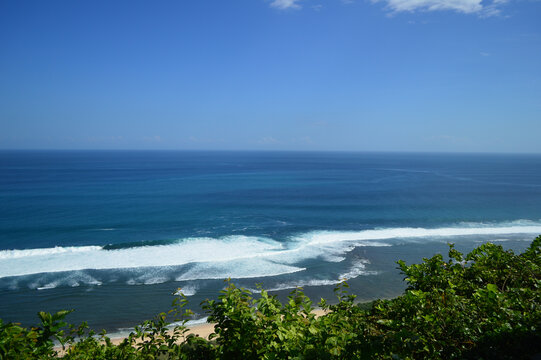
{"x": 482, "y": 305}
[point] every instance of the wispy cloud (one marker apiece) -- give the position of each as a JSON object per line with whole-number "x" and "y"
{"x": 479, "y": 7}
{"x": 285, "y": 4}
{"x": 464, "y": 6}
{"x": 267, "y": 140}
{"x": 482, "y": 8}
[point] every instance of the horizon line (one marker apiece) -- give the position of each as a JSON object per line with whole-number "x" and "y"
{"x": 271, "y": 151}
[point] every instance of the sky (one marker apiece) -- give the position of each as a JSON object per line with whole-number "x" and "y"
{"x": 338, "y": 75}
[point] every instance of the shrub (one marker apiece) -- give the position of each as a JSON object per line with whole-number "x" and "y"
{"x": 484, "y": 305}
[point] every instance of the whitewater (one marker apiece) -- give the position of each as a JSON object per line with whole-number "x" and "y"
{"x": 259, "y": 256}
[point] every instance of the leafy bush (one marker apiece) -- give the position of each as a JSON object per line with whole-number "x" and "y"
{"x": 484, "y": 305}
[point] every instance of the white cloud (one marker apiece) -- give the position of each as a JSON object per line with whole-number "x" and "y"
{"x": 285, "y": 4}
{"x": 267, "y": 140}
{"x": 483, "y": 8}
{"x": 479, "y": 7}
{"x": 464, "y": 6}
{"x": 493, "y": 8}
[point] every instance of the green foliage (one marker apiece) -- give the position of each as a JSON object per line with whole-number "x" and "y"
{"x": 483, "y": 305}
{"x": 21, "y": 343}
{"x": 164, "y": 337}
{"x": 248, "y": 328}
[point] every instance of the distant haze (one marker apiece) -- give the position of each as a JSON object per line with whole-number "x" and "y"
{"x": 387, "y": 75}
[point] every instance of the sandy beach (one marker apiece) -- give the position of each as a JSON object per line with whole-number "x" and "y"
{"x": 203, "y": 330}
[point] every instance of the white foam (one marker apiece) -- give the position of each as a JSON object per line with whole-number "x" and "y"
{"x": 158, "y": 280}
{"x": 73, "y": 279}
{"x": 48, "y": 286}
{"x": 196, "y": 322}
{"x": 302, "y": 283}
{"x": 147, "y": 280}
{"x": 233, "y": 256}
{"x": 125, "y": 332}
{"x": 326, "y": 237}
{"x": 16, "y": 254}
{"x": 188, "y": 290}
{"x": 513, "y": 223}
{"x": 150, "y": 276}
{"x": 193, "y": 250}
{"x": 356, "y": 270}
{"x": 240, "y": 269}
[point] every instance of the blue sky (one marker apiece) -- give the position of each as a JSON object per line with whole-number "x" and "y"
{"x": 383, "y": 75}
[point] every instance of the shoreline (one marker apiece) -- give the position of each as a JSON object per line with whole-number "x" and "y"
{"x": 202, "y": 330}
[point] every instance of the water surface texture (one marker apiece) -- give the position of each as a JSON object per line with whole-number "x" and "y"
{"x": 114, "y": 234}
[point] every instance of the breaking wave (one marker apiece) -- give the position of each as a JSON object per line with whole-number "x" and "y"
{"x": 217, "y": 258}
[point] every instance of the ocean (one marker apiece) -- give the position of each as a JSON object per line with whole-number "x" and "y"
{"x": 115, "y": 234}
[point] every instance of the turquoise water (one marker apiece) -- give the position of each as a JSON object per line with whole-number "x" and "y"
{"x": 114, "y": 234}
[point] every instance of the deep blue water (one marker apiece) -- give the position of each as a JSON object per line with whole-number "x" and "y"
{"x": 114, "y": 233}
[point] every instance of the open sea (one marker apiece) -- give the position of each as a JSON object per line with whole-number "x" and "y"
{"x": 114, "y": 234}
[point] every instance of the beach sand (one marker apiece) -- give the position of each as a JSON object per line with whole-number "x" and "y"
{"x": 203, "y": 330}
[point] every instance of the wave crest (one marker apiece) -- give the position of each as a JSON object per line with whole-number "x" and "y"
{"x": 231, "y": 256}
